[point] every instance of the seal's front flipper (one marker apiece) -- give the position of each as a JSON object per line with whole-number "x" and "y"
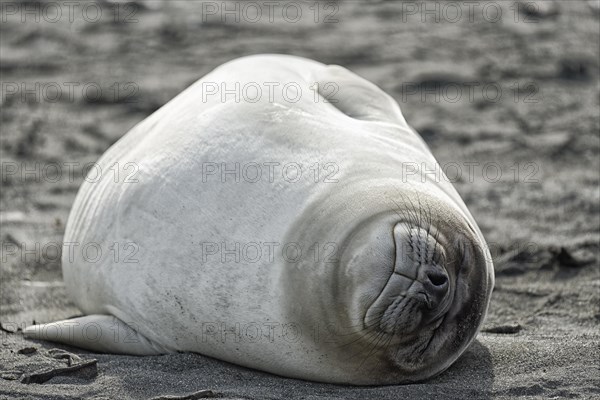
{"x": 99, "y": 333}
{"x": 357, "y": 97}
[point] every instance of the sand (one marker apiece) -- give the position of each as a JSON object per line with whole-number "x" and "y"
{"x": 529, "y": 163}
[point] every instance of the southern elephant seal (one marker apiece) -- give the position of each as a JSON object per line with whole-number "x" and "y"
{"x": 270, "y": 225}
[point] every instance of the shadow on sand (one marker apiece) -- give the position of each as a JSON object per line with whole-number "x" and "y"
{"x": 471, "y": 376}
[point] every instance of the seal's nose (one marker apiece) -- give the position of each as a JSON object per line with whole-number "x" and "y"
{"x": 435, "y": 283}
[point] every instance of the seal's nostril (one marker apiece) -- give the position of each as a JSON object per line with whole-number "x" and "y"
{"x": 437, "y": 278}
{"x": 436, "y": 284}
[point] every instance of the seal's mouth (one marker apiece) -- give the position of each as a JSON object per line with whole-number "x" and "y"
{"x": 419, "y": 290}
{"x": 400, "y": 311}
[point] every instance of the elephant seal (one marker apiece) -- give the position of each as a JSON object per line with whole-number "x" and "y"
{"x": 270, "y": 224}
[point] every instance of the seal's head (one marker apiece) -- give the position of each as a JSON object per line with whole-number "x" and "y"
{"x": 421, "y": 284}
{"x": 404, "y": 296}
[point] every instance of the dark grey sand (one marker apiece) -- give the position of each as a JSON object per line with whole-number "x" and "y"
{"x": 541, "y": 336}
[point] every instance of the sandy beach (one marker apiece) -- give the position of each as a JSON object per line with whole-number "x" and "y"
{"x": 506, "y": 95}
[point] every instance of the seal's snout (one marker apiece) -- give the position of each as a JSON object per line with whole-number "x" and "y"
{"x": 420, "y": 255}
{"x": 435, "y": 284}
{"x": 418, "y": 290}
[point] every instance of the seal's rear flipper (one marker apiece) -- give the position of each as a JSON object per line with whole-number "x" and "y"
{"x": 99, "y": 333}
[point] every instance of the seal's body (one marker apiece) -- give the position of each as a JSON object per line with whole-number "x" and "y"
{"x": 275, "y": 216}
